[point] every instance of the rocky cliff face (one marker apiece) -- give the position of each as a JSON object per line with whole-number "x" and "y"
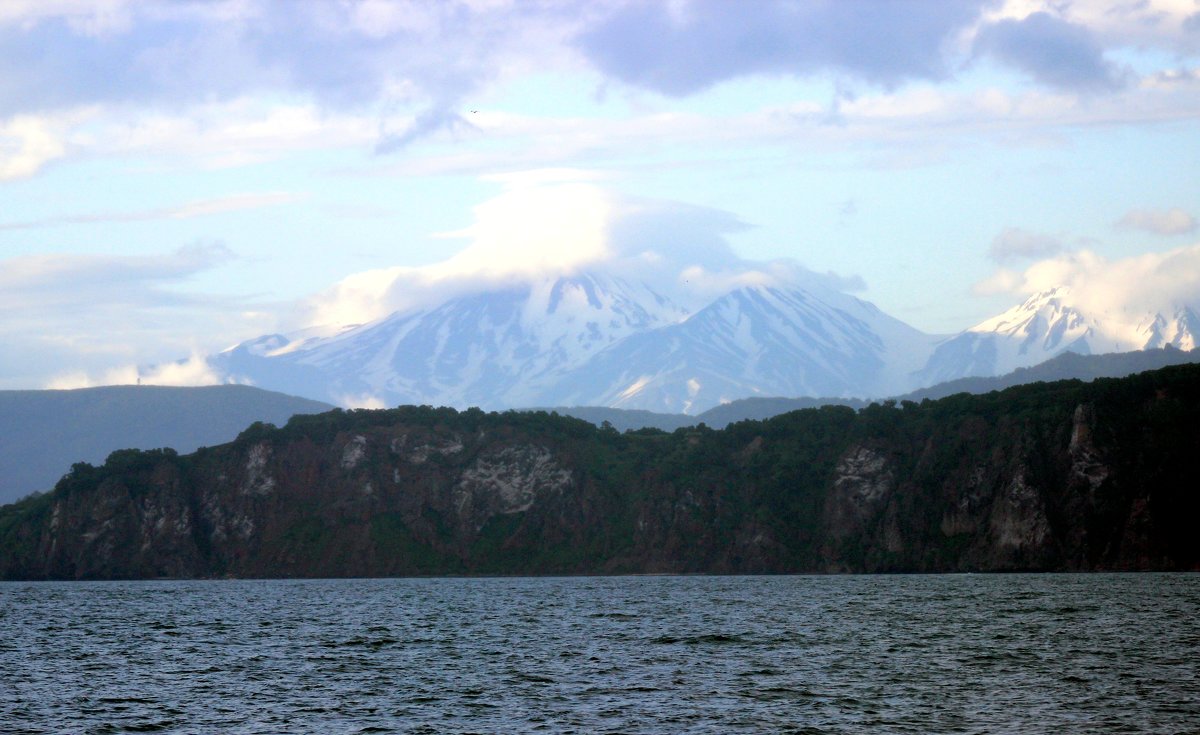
{"x": 1052, "y": 476}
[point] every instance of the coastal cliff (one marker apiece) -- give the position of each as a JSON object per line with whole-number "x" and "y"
{"x": 1053, "y": 476}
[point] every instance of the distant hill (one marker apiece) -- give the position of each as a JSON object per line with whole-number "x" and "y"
{"x": 717, "y": 417}
{"x": 1066, "y": 366}
{"x": 44, "y": 432}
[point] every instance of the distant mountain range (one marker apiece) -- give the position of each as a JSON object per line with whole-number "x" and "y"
{"x": 43, "y": 432}
{"x": 595, "y": 339}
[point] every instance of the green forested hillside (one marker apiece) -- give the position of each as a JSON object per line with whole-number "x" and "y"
{"x": 1048, "y": 476}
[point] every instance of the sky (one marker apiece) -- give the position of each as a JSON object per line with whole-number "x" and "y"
{"x": 179, "y": 176}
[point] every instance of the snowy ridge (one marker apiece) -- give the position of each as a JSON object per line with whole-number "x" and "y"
{"x": 496, "y": 349}
{"x": 757, "y": 340}
{"x": 594, "y": 339}
{"x": 1048, "y": 324}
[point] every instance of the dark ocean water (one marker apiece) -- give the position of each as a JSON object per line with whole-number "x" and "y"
{"x": 892, "y": 654}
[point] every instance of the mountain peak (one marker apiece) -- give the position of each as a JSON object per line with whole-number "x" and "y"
{"x": 1050, "y": 323}
{"x": 592, "y": 337}
{"x": 599, "y": 338}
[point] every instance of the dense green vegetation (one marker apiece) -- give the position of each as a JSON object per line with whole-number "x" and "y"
{"x": 1064, "y": 475}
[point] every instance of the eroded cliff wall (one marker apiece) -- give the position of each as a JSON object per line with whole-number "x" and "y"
{"x": 1066, "y": 476}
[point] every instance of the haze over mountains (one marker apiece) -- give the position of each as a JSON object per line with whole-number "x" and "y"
{"x": 598, "y": 338}
{"x": 44, "y": 432}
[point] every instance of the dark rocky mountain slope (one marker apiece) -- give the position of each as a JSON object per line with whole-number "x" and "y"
{"x": 1049, "y": 476}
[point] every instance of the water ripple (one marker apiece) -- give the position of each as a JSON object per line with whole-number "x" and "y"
{"x": 954, "y": 654}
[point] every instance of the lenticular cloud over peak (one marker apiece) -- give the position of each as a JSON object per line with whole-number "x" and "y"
{"x": 566, "y": 294}
{"x": 551, "y": 224}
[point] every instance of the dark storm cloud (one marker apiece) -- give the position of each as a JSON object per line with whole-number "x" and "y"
{"x": 1055, "y": 52}
{"x": 710, "y": 41}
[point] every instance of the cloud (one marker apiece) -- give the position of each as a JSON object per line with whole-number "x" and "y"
{"x": 1173, "y": 221}
{"x": 233, "y": 82}
{"x": 433, "y": 120}
{"x": 905, "y": 128}
{"x": 1055, "y": 52}
{"x": 1122, "y": 287}
{"x": 533, "y": 229}
{"x": 197, "y": 208}
{"x": 682, "y": 48}
{"x": 1014, "y": 243}
{"x": 159, "y": 53}
{"x": 93, "y": 314}
{"x": 674, "y": 234}
{"x": 77, "y": 281}
{"x": 557, "y": 222}
{"x": 1140, "y": 24}
{"x": 27, "y": 143}
{"x": 194, "y": 370}
{"x": 1003, "y": 281}
{"x": 347, "y": 56}
{"x": 364, "y": 400}
{"x": 542, "y": 222}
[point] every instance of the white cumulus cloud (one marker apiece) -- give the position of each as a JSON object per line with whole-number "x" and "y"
{"x": 1151, "y": 282}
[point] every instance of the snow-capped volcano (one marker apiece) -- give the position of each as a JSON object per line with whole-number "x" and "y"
{"x": 497, "y": 348}
{"x": 755, "y": 340}
{"x": 596, "y": 339}
{"x": 1050, "y": 323}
